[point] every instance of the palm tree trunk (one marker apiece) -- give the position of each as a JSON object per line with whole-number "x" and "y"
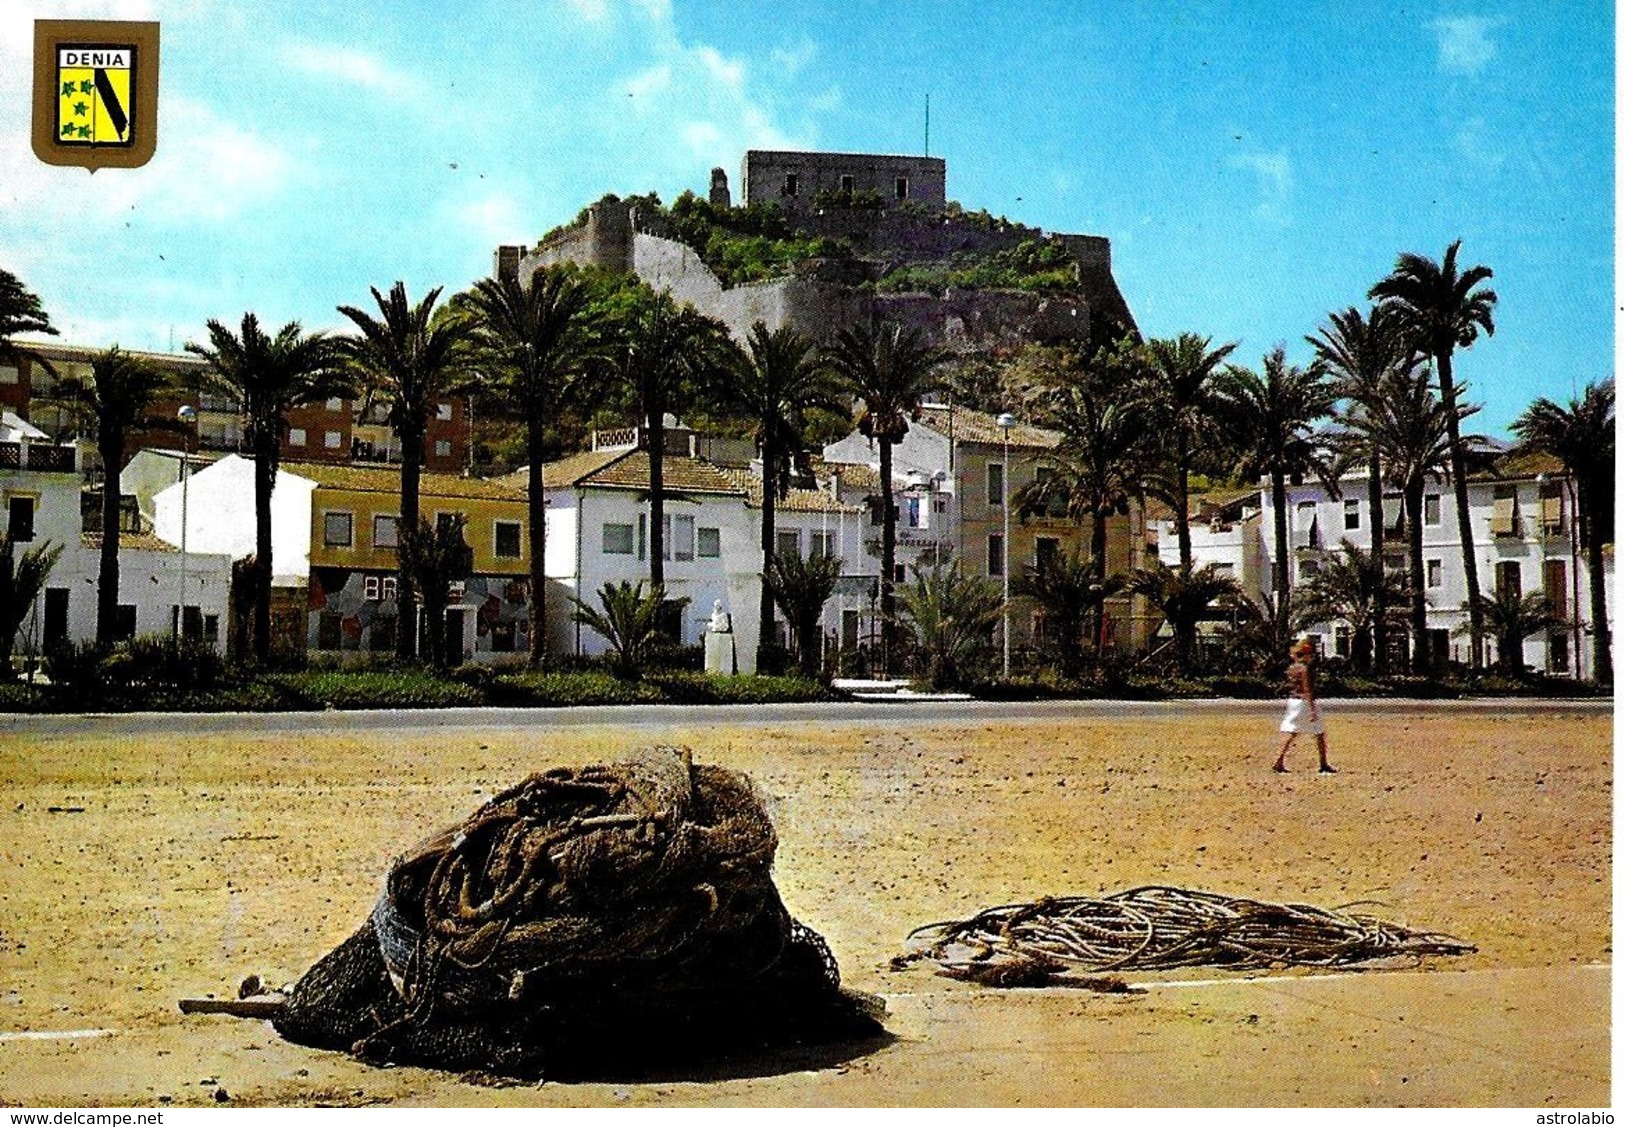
{"x": 1097, "y": 563}
{"x": 1379, "y": 623}
{"x": 111, "y": 450}
{"x": 264, "y": 484}
{"x": 1182, "y": 514}
{"x": 536, "y": 499}
{"x": 888, "y": 556}
{"x": 764, "y": 633}
{"x": 1279, "y": 581}
{"x": 1421, "y": 655}
{"x": 656, "y": 426}
{"x": 1602, "y": 664}
{"x": 406, "y": 596}
{"x": 1464, "y": 517}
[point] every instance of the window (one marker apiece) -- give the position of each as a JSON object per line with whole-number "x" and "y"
{"x": 330, "y": 630}
{"x": 1055, "y": 506}
{"x": 507, "y": 546}
{"x": 56, "y": 616}
{"x": 1509, "y": 579}
{"x": 902, "y": 187}
{"x": 442, "y": 521}
{"x": 709, "y": 544}
{"x": 1551, "y": 508}
{"x": 617, "y": 540}
{"x": 1351, "y": 515}
{"x": 913, "y": 512}
{"x": 211, "y": 629}
{"x": 1504, "y": 516}
{"x": 9, "y": 373}
{"x": 124, "y": 623}
{"x": 791, "y": 184}
{"x": 369, "y": 588}
{"x": 995, "y": 484}
{"x": 643, "y": 535}
{"x": 679, "y": 536}
{"x": 1435, "y": 573}
{"x": 995, "y": 555}
{"x": 1430, "y": 510}
{"x": 1343, "y": 641}
{"x": 335, "y": 404}
{"x": 1046, "y": 552}
{"x": 787, "y": 542}
{"x": 442, "y": 411}
{"x": 1557, "y": 587}
{"x": 1558, "y": 648}
{"x": 848, "y": 185}
{"x": 332, "y": 440}
{"x": 386, "y": 532}
{"x": 442, "y": 448}
{"x": 899, "y": 573}
{"x": 296, "y": 436}
{"x": 20, "y": 518}
{"x": 823, "y": 544}
{"x": 337, "y": 529}
{"x": 1308, "y": 526}
{"x": 1393, "y": 510}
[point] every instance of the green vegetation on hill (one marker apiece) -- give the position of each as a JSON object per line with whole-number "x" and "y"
{"x": 1032, "y": 264}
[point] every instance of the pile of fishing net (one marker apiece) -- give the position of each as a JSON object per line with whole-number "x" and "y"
{"x": 1160, "y": 928}
{"x": 602, "y": 920}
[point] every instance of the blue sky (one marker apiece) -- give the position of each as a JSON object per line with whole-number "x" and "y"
{"x": 1255, "y": 165}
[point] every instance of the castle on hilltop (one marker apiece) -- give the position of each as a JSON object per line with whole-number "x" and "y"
{"x": 888, "y": 214}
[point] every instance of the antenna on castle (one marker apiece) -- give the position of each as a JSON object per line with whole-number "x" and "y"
{"x": 928, "y": 125}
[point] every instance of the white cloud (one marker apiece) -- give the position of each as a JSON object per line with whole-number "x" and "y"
{"x": 1273, "y": 172}
{"x": 494, "y": 219}
{"x": 592, "y": 11}
{"x": 641, "y": 87}
{"x": 1476, "y": 144}
{"x": 326, "y": 60}
{"x": 1465, "y": 46}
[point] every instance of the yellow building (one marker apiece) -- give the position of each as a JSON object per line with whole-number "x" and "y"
{"x": 354, "y": 518}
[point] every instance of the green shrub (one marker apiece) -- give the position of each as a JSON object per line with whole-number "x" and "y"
{"x": 576, "y": 687}
{"x": 19, "y": 696}
{"x": 402, "y": 688}
{"x": 74, "y": 666}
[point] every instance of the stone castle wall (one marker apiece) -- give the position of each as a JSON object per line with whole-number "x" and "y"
{"x": 767, "y": 176}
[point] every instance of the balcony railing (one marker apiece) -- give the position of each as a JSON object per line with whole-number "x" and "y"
{"x": 37, "y": 456}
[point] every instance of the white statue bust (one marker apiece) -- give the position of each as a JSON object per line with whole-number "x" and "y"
{"x": 721, "y": 621}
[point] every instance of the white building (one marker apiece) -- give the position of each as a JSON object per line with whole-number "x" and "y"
{"x": 598, "y": 532}
{"x": 1522, "y": 516}
{"x": 40, "y": 499}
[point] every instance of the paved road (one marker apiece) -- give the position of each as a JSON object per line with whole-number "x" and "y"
{"x": 865, "y": 713}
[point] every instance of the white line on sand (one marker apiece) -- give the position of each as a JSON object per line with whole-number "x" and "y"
{"x": 56, "y": 1034}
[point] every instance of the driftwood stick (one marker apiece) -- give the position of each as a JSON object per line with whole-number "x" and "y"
{"x": 236, "y": 1007}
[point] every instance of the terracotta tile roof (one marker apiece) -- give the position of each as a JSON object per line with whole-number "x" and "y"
{"x": 975, "y": 426}
{"x": 568, "y": 470}
{"x": 371, "y": 479}
{"x": 855, "y": 476}
{"x": 138, "y": 541}
{"x": 629, "y": 469}
{"x": 798, "y": 500}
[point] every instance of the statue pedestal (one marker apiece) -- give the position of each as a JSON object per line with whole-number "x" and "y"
{"x": 719, "y": 653}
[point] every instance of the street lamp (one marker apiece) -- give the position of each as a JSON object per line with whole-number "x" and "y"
{"x": 1006, "y": 421}
{"x": 187, "y": 415}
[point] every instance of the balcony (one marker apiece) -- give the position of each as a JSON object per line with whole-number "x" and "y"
{"x": 38, "y": 457}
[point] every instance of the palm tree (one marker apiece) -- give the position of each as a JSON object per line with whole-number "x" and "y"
{"x": 777, "y": 381}
{"x": 1103, "y": 453}
{"x": 534, "y": 340}
{"x": 1269, "y": 419}
{"x": 1581, "y": 435}
{"x": 629, "y": 622}
{"x": 270, "y": 375}
{"x": 1183, "y": 597}
{"x": 801, "y": 587}
{"x": 953, "y": 615}
{"x": 436, "y": 556}
{"x": 21, "y": 581}
{"x": 1182, "y": 391}
{"x": 1511, "y": 618}
{"x": 1070, "y": 590}
{"x": 114, "y": 401}
{"x": 664, "y": 354}
{"x": 409, "y": 358}
{"x": 1354, "y": 586}
{"x": 1410, "y": 429}
{"x": 1443, "y": 309}
{"x": 20, "y": 312}
{"x": 890, "y": 370}
{"x": 1364, "y": 355}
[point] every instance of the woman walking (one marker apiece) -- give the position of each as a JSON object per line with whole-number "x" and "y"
{"x": 1302, "y": 710}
